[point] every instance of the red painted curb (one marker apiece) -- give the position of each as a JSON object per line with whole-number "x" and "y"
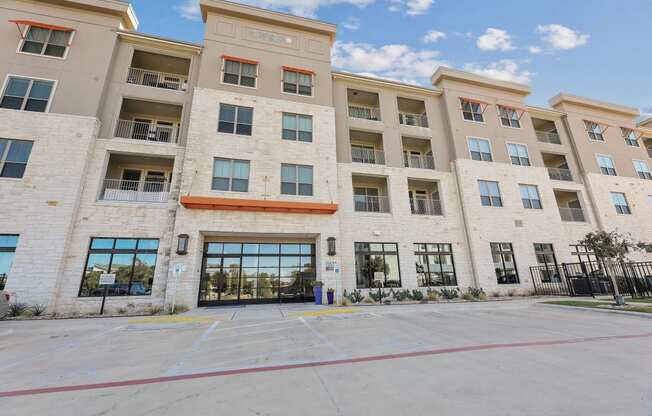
{"x": 211, "y": 374}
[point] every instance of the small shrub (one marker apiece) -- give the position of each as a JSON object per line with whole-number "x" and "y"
{"x": 496, "y": 294}
{"x": 467, "y": 296}
{"x": 417, "y": 295}
{"x": 483, "y": 296}
{"x": 155, "y": 310}
{"x": 475, "y": 292}
{"x": 368, "y": 299}
{"x": 346, "y": 301}
{"x": 179, "y": 309}
{"x": 433, "y": 295}
{"x": 401, "y": 295}
{"x": 354, "y": 297}
{"x": 512, "y": 293}
{"x": 38, "y": 310}
{"x": 378, "y": 296}
{"x": 449, "y": 294}
{"x": 17, "y": 309}
{"x": 122, "y": 311}
{"x": 387, "y": 302}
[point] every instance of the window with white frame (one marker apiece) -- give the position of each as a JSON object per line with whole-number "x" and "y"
{"x": 490, "y": 194}
{"x": 620, "y": 203}
{"x": 297, "y": 127}
{"x": 642, "y": 169}
{"x": 518, "y": 154}
{"x": 27, "y": 94}
{"x": 230, "y": 175}
{"x": 480, "y": 149}
{"x": 297, "y": 81}
{"x": 472, "y": 110}
{"x": 530, "y": 197}
{"x": 14, "y": 155}
{"x": 296, "y": 180}
{"x": 235, "y": 119}
{"x": 607, "y": 166}
{"x": 44, "y": 41}
{"x": 595, "y": 130}
{"x": 630, "y": 136}
{"x": 239, "y": 72}
{"x": 509, "y": 117}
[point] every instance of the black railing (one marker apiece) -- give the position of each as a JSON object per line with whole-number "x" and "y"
{"x": 3, "y": 281}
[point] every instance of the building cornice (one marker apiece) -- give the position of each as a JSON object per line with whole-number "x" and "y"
{"x": 119, "y": 8}
{"x": 161, "y": 42}
{"x": 562, "y": 98}
{"x": 444, "y": 73}
{"x": 380, "y": 82}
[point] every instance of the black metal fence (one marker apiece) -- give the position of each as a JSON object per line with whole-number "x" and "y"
{"x": 3, "y": 281}
{"x": 591, "y": 278}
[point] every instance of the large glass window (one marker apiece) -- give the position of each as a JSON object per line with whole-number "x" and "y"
{"x": 530, "y": 197}
{"x": 240, "y": 73}
{"x": 27, "y": 94}
{"x": 607, "y": 166}
{"x": 620, "y": 203}
{"x": 44, "y": 41}
{"x": 435, "y": 265}
{"x": 377, "y": 262}
{"x": 230, "y": 175}
{"x": 490, "y": 194}
{"x": 296, "y": 180}
{"x": 132, "y": 260}
{"x": 642, "y": 169}
{"x": 480, "y": 149}
{"x": 472, "y": 110}
{"x": 235, "y": 119}
{"x": 518, "y": 154}
{"x": 596, "y": 132}
{"x": 8, "y": 243}
{"x": 297, "y": 82}
{"x": 509, "y": 117}
{"x": 630, "y": 136}
{"x": 14, "y": 155}
{"x": 545, "y": 254}
{"x": 297, "y": 127}
{"x": 504, "y": 263}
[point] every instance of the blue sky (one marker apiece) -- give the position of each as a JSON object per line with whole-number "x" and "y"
{"x": 594, "y": 48}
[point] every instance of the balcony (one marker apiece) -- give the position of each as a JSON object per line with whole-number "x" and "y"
{"x": 424, "y": 198}
{"x": 417, "y": 153}
{"x": 557, "y": 167}
{"x": 131, "y": 178}
{"x": 363, "y": 105}
{"x": 370, "y": 194}
{"x": 367, "y": 147}
{"x": 546, "y": 131}
{"x": 412, "y": 113}
{"x": 560, "y": 174}
{"x": 148, "y": 121}
{"x": 159, "y": 71}
{"x": 570, "y": 207}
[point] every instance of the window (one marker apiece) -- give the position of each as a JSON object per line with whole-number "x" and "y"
{"x": 596, "y": 131}
{"x": 530, "y": 197}
{"x": 606, "y": 165}
{"x": 480, "y": 149}
{"x": 369, "y": 200}
{"x": 472, "y": 110}
{"x": 230, "y": 175}
{"x": 27, "y": 94}
{"x": 132, "y": 260}
{"x": 435, "y": 265}
{"x": 8, "y": 245}
{"x": 240, "y": 72}
{"x": 377, "y": 263}
{"x": 296, "y": 180}
{"x": 620, "y": 203}
{"x": 13, "y": 157}
{"x": 235, "y": 119}
{"x": 642, "y": 169}
{"x": 545, "y": 254}
{"x": 297, "y": 127}
{"x": 630, "y": 136}
{"x": 297, "y": 82}
{"x": 518, "y": 154}
{"x": 42, "y": 41}
{"x": 504, "y": 263}
{"x": 509, "y": 117}
{"x": 490, "y": 194}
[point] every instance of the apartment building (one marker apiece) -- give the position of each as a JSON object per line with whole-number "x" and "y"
{"x": 242, "y": 169}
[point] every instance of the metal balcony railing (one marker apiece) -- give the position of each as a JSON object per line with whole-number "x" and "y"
{"x": 572, "y": 214}
{"x": 411, "y": 119}
{"x": 364, "y": 155}
{"x": 425, "y": 206}
{"x": 547, "y": 137}
{"x": 135, "y": 191}
{"x": 365, "y": 203}
{"x": 367, "y": 113}
{"x": 157, "y": 79}
{"x": 560, "y": 174}
{"x": 420, "y": 162}
{"x": 140, "y": 130}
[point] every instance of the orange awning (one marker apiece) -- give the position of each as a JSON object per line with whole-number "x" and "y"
{"x": 483, "y": 104}
{"x": 43, "y": 25}
{"x": 519, "y": 110}
{"x": 254, "y": 205}
{"x": 625, "y": 130}
{"x": 603, "y": 126}
{"x": 241, "y": 60}
{"x": 299, "y": 70}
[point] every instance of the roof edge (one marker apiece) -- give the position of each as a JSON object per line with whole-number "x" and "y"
{"x": 385, "y": 82}
{"x": 563, "y": 97}
{"x": 194, "y": 47}
{"x": 444, "y": 73}
{"x": 119, "y": 8}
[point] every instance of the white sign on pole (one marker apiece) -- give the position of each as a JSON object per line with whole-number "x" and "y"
{"x": 107, "y": 279}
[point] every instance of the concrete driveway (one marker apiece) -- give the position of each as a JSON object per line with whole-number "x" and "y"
{"x": 498, "y": 358}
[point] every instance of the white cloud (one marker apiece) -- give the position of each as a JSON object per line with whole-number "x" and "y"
{"x": 535, "y": 50}
{"x": 503, "y": 70}
{"x": 433, "y": 36}
{"x": 412, "y": 7}
{"x": 189, "y": 10}
{"x": 352, "y": 23}
{"x": 494, "y": 40}
{"x": 398, "y": 62}
{"x": 562, "y": 37}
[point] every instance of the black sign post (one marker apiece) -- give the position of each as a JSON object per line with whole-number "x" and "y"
{"x": 106, "y": 280}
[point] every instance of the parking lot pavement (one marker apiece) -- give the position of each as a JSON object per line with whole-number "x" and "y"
{"x": 496, "y": 358}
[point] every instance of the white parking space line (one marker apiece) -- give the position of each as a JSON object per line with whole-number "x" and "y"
{"x": 325, "y": 340}
{"x": 174, "y": 370}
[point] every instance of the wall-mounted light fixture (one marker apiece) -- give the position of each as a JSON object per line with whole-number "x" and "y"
{"x": 182, "y": 244}
{"x": 331, "y": 246}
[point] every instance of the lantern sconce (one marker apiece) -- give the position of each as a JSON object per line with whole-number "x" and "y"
{"x": 182, "y": 245}
{"x": 331, "y": 246}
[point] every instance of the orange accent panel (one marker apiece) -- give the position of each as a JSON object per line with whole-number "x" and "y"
{"x": 254, "y": 205}
{"x": 241, "y": 60}
{"x": 43, "y": 25}
{"x": 474, "y": 101}
{"x": 299, "y": 70}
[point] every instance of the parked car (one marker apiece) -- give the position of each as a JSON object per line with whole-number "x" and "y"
{"x": 4, "y": 304}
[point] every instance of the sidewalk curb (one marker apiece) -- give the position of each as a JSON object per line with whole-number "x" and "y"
{"x": 626, "y": 313}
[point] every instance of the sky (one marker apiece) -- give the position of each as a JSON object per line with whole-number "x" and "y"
{"x": 593, "y": 48}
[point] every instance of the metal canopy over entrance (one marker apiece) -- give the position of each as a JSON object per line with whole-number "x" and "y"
{"x": 234, "y": 273}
